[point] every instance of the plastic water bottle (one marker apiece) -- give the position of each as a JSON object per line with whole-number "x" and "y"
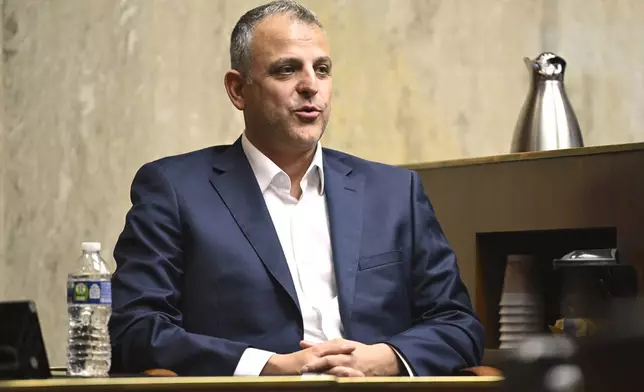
{"x": 89, "y": 307}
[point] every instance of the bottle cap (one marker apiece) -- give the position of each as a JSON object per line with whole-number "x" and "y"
{"x": 91, "y": 246}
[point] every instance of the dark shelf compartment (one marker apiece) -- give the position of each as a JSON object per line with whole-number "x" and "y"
{"x": 545, "y": 245}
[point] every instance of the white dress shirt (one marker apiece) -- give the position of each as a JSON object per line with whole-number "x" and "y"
{"x": 302, "y": 227}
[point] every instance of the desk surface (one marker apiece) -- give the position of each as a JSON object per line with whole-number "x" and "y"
{"x": 305, "y": 383}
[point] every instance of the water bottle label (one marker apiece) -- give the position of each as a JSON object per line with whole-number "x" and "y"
{"x": 89, "y": 292}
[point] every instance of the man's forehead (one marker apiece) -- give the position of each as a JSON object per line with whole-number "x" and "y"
{"x": 279, "y": 31}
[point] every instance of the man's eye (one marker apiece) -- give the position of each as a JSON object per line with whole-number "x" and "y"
{"x": 286, "y": 70}
{"x": 323, "y": 69}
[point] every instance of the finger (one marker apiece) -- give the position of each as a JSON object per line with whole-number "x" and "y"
{"x": 333, "y": 348}
{"x": 344, "y": 371}
{"x": 325, "y": 363}
{"x": 304, "y": 344}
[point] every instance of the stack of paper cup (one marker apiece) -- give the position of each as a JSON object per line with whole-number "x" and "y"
{"x": 519, "y": 310}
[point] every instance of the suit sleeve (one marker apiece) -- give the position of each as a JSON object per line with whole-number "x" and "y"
{"x": 146, "y": 324}
{"x": 446, "y": 336}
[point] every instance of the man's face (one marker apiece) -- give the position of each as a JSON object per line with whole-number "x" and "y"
{"x": 288, "y": 102}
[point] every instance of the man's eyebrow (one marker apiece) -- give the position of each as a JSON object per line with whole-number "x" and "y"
{"x": 324, "y": 59}
{"x": 286, "y": 60}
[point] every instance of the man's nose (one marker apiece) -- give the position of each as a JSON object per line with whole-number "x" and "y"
{"x": 308, "y": 83}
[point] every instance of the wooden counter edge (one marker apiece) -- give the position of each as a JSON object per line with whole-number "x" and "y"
{"x": 522, "y": 156}
{"x": 421, "y": 380}
{"x": 151, "y": 382}
{"x": 164, "y": 381}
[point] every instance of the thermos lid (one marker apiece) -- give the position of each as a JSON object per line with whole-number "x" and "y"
{"x": 588, "y": 258}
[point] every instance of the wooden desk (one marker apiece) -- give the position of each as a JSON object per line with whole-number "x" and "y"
{"x": 310, "y": 383}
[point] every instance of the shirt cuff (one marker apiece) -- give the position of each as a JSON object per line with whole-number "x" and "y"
{"x": 402, "y": 360}
{"x": 252, "y": 362}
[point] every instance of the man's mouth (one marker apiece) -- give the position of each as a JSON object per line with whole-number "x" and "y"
{"x": 307, "y": 113}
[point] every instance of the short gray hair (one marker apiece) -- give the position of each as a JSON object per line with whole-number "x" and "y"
{"x": 242, "y": 36}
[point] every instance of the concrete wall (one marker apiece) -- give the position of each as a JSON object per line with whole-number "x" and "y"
{"x": 93, "y": 89}
{"x": 3, "y": 265}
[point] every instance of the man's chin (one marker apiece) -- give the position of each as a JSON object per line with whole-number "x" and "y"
{"x": 307, "y": 135}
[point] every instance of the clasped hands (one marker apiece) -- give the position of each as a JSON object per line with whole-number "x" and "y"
{"x": 339, "y": 357}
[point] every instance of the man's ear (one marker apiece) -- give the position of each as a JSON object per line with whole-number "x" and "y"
{"x": 234, "y": 83}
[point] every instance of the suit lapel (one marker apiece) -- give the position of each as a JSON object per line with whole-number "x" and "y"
{"x": 344, "y": 195}
{"x": 235, "y": 182}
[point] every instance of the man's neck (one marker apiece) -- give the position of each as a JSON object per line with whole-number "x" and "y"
{"x": 293, "y": 163}
{"x": 294, "y": 166}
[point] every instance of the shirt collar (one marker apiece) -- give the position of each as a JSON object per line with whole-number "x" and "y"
{"x": 265, "y": 169}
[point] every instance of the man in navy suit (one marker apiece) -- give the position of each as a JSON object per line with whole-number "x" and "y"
{"x": 276, "y": 256}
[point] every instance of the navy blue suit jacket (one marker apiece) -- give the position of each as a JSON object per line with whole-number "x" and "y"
{"x": 201, "y": 275}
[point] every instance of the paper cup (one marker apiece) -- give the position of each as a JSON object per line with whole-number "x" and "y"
{"x": 519, "y": 319}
